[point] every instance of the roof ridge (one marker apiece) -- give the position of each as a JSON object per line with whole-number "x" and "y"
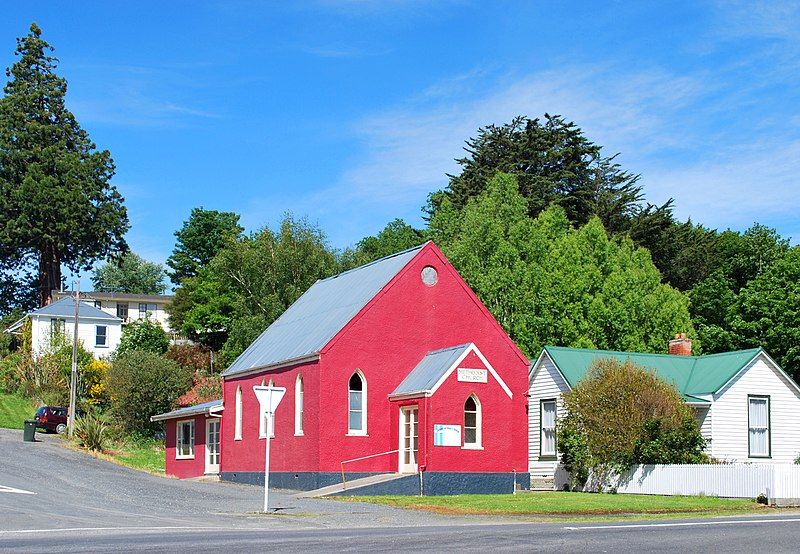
{"x": 659, "y": 354}
{"x": 373, "y": 262}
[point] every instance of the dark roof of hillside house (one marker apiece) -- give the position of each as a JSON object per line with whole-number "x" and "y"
{"x": 691, "y": 375}
{"x": 65, "y": 308}
{"x": 319, "y": 314}
{"x": 96, "y": 295}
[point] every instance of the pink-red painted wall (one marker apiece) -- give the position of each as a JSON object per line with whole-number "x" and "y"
{"x": 385, "y": 341}
{"x": 186, "y": 467}
{"x": 289, "y": 452}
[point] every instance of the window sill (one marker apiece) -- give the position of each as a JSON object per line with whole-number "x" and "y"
{"x": 552, "y": 458}
{"x": 300, "y": 434}
{"x": 757, "y": 457}
{"x": 185, "y": 457}
{"x": 352, "y": 434}
{"x": 101, "y": 346}
{"x": 237, "y": 438}
{"x": 472, "y": 447}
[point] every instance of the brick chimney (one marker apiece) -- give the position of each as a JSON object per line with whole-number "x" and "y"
{"x": 680, "y": 345}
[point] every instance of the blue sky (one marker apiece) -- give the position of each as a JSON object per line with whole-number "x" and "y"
{"x": 350, "y": 112}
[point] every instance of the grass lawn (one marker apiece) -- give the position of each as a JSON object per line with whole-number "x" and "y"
{"x": 145, "y": 454}
{"x": 14, "y": 410}
{"x": 567, "y": 504}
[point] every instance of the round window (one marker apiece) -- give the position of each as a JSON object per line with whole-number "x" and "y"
{"x": 429, "y": 275}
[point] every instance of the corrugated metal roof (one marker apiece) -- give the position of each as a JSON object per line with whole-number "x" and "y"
{"x": 691, "y": 375}
{"x": 197, "y": 409}
{"x": 429, "y": 370}
{"x": 321, "y": 312}
{"x": 65, "y": 308}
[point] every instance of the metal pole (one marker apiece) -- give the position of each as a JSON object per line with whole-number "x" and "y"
{"x": 266, "y": 465}
{"x": 73, "y": 382}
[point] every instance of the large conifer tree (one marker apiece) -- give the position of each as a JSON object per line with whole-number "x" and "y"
{"x": 57, "y": 205}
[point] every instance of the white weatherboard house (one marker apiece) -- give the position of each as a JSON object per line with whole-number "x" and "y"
{"x": 746, "y": 405}
{"x": 127, "y": 306}
{"x": 99, "y": 332}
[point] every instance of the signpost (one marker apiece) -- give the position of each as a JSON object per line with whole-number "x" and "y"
{"x": 268, "y": 400}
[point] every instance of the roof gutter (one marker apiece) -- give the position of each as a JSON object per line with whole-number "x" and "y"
{"x": 210, "y": 410}
{"x": 270, "y": 367}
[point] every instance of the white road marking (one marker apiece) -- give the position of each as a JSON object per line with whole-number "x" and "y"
{"x": 681, "y": 524}
{"x": 84, "y": 529}
{"x": 12, "y": 490}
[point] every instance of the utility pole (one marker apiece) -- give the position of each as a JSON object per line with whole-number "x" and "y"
{"x": 73, "y": 382}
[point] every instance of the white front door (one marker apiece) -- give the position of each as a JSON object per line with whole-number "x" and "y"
{"x": 408, "y": 440}
{"x": 212, "y": 445}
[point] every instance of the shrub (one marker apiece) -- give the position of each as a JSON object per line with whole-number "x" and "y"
{"x": 90, "y": 432}
{"x": 197, "y": 357}
{"x": 145, "y": 335}
{"x": 620, "y": 415}
{"x": 94, "y": 383}
{"x": 142, "y": 384}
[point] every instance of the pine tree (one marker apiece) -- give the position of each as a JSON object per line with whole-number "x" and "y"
{"x": 57, "y": 205}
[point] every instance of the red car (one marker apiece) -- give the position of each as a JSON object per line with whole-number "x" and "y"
{"x": 52, "y": 419}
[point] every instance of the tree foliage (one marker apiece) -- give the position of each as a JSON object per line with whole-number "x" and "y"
{"x": 547, "y": 283}
{"x": 130, "y": 274}
{"x": 142, "y": 384}
{"x": 143, "y": 335}
{"x": 249, "y": 283}
{"x": 199, "y": 240}
{"x": 619, "y": 415}
{"x": 555, "y": 163}
{"x": 57, "y": 205}
{"x": 395, "y": 237}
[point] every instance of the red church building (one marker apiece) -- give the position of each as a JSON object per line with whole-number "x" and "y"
{"x": 394, "y": 367}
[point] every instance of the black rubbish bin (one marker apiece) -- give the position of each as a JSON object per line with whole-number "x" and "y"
{"x": 29, "y": 434}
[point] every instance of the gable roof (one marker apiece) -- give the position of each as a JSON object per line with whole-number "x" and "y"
{"x": 320, "y": 313}
{"x": 691, "y": 375}
{"x": 65, "y": 308}
{"x": 436, "y": 366}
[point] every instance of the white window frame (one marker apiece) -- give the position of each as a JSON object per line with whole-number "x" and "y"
{"x": 363, "y": 431}
{"x": 262, "y": 422}
{"x": 237, "y": 432}
{"x": 98, "y": 344}
{"x": 542, "y": 429}
{"x": 478, "y": 444}
{"x": 750, "y": 427}
{"x": 179, "y": 440}
{"x": 299, "y": 393}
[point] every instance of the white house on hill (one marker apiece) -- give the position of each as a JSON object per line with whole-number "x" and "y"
{"x": 98, "y": 331}
{"x": 127, "y": 307}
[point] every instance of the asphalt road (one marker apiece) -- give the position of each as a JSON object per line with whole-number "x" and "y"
{"x": 57, "y": 500}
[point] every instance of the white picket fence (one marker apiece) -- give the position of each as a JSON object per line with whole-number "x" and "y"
{"x": 780, "y": 483}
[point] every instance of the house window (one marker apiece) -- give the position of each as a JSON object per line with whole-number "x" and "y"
{"x": 100, "y": 335}
{"x": 758, "y": 422}
{"x": 298, "y": 406}
{"x": 262, "y": 424}
{"x": 357, "y": 405}
{"x": 184, "y": 445}
{"x": 237, "y": 433}
{"x": 122, "y": 310}
{"x": 57, "y": 326}
{"x": 547, "y": 428}
{"x": 147, "y": 309}
{"x": 472, "y": 422}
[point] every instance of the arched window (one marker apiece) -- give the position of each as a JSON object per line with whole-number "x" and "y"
{"x": 472, "y": 422}
{"x": 357, "y": 405}
{"x": 262, "y": 422}
{"x": 298, "y": 405}
{"x": 237, "y": 434}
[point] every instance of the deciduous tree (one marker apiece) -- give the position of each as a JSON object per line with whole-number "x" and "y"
{"x": 130, "y": 274}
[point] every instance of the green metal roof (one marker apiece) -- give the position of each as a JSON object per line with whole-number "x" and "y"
{"x": 691, "y": 375}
